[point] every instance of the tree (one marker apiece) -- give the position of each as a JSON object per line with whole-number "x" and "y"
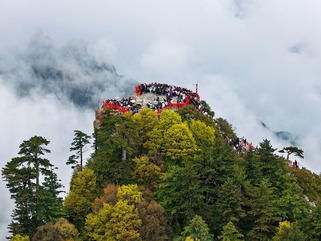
{"x": 288, "y": 232}
{"x": 146, "y": 172}
{"x": 180, "y": 194}
{"x": 197, "y": 230}
{"x": 47, "y": 232}
{"x": 179, "y": 144}
{"x": 51, "y": 189}
{"x": 262, "y": 212}
{"x": 18, "y": 237}
{"x": 154, "y": 221}
{"x": 292, "y": 150}
{"x": 79, "y": 200}
{"x": 145, "y": 120}
{"x": 225, "y": 129}
{"x": 230, "y": 233}
{"x": 23, "y": 175}
{"x": 118, "y": 222}
{"x": 156, "y": 143}
{"x": 117, "y": 141}
{"x": 204, "y": 135}
{"x": 191, "y": 112}
{"x": 312, "y": 225}
{"x": 61, "y": 230}
{"x": 80, "y": 140}
{"x": 229, "y": 202}
{"x": 291, "y": 204}
{"x": 67, "y": 230}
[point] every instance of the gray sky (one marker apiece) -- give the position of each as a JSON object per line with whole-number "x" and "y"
{"x": 254, "y": 61}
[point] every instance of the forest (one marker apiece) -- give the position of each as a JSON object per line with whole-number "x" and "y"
{"x": 157, "y": 177}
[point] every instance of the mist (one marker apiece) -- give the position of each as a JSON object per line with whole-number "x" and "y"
{"x": 75, "y": 72}
{"x": 255, "y": 62}
{"x": 50, "y": 90}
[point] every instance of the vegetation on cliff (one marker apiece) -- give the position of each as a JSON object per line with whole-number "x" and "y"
{"x": 172, "y": 176}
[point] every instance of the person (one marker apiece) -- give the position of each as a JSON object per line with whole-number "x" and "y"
{"x": 295, "y": 165}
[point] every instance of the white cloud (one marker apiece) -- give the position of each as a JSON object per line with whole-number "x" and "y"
{"x": 238, "y": 51}
{"x": 166, "y": 55}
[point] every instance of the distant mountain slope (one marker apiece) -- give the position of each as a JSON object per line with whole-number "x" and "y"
{"x": 282, "y": 135}
{"x": 70, "y": 72}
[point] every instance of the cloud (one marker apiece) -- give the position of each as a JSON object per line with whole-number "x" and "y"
{"x": 254, "y": 61}
{"x": 50, "y": 90}
{"x": 166, "y": 55}
{"x": 76, "y": 72}
{"x": 45, "y": 116}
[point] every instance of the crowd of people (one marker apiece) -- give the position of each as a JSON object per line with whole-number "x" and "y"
{"x": 165, "y": 96}
{"x": 172, "y": 96}
{"x": 240, "y": 144}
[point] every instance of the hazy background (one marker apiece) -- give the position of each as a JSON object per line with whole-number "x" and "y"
{"x": 255, "y": 61}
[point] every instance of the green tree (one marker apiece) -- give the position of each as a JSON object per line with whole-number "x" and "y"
{"x": 225, "y": 129}
{"x": 22, "y": 175}
{"x": 288, "y": 232}
{"x": 229, "y": 203}
{"x": 197, "y": 230}
{"x": 291, "y": 204}
{"x": 292, "y": 150}
{"x": 230, "y": 233}
{"x": 190, "y": 112}
{"x": 79, "y": 142}
{"x": 311, "y": 226}
{"x": 116, "y": 143}
{"x": 180, "y": 194}
{"x": 262, "y": 212}
{"x": 53, "y": 202}
{"x": 79, "y": 200}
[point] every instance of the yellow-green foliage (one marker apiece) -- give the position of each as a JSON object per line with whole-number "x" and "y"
{"x": 179, "y": 143}
{"x": 287, "y": 231}
{"x": 156, "y": 136}
{"x": 112, "y": 223}
{"x": 66, "y": 229}
{"x": 79, "y": 200}
{"x": 18, "y": 237}
{"x": 145, "y": 171}
{"x": 204, "y": 135}
{"x": 129, "y": 193}
{"x": 230, "y": 233}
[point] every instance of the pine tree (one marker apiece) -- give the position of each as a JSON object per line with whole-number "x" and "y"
{"x": 288, "y": 232}
{"x": 230, "y": 233}
{"x": 180, "y": 194}
{"x": 197, "y": 230}
{"x": 23, "y": 175}
{"x": 292, "y": 150}
{"x": 262, "y": 212}
{"x": 78, "y": 144}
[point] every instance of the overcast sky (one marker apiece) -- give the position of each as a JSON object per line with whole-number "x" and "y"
{"x": 254, "y": 61}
